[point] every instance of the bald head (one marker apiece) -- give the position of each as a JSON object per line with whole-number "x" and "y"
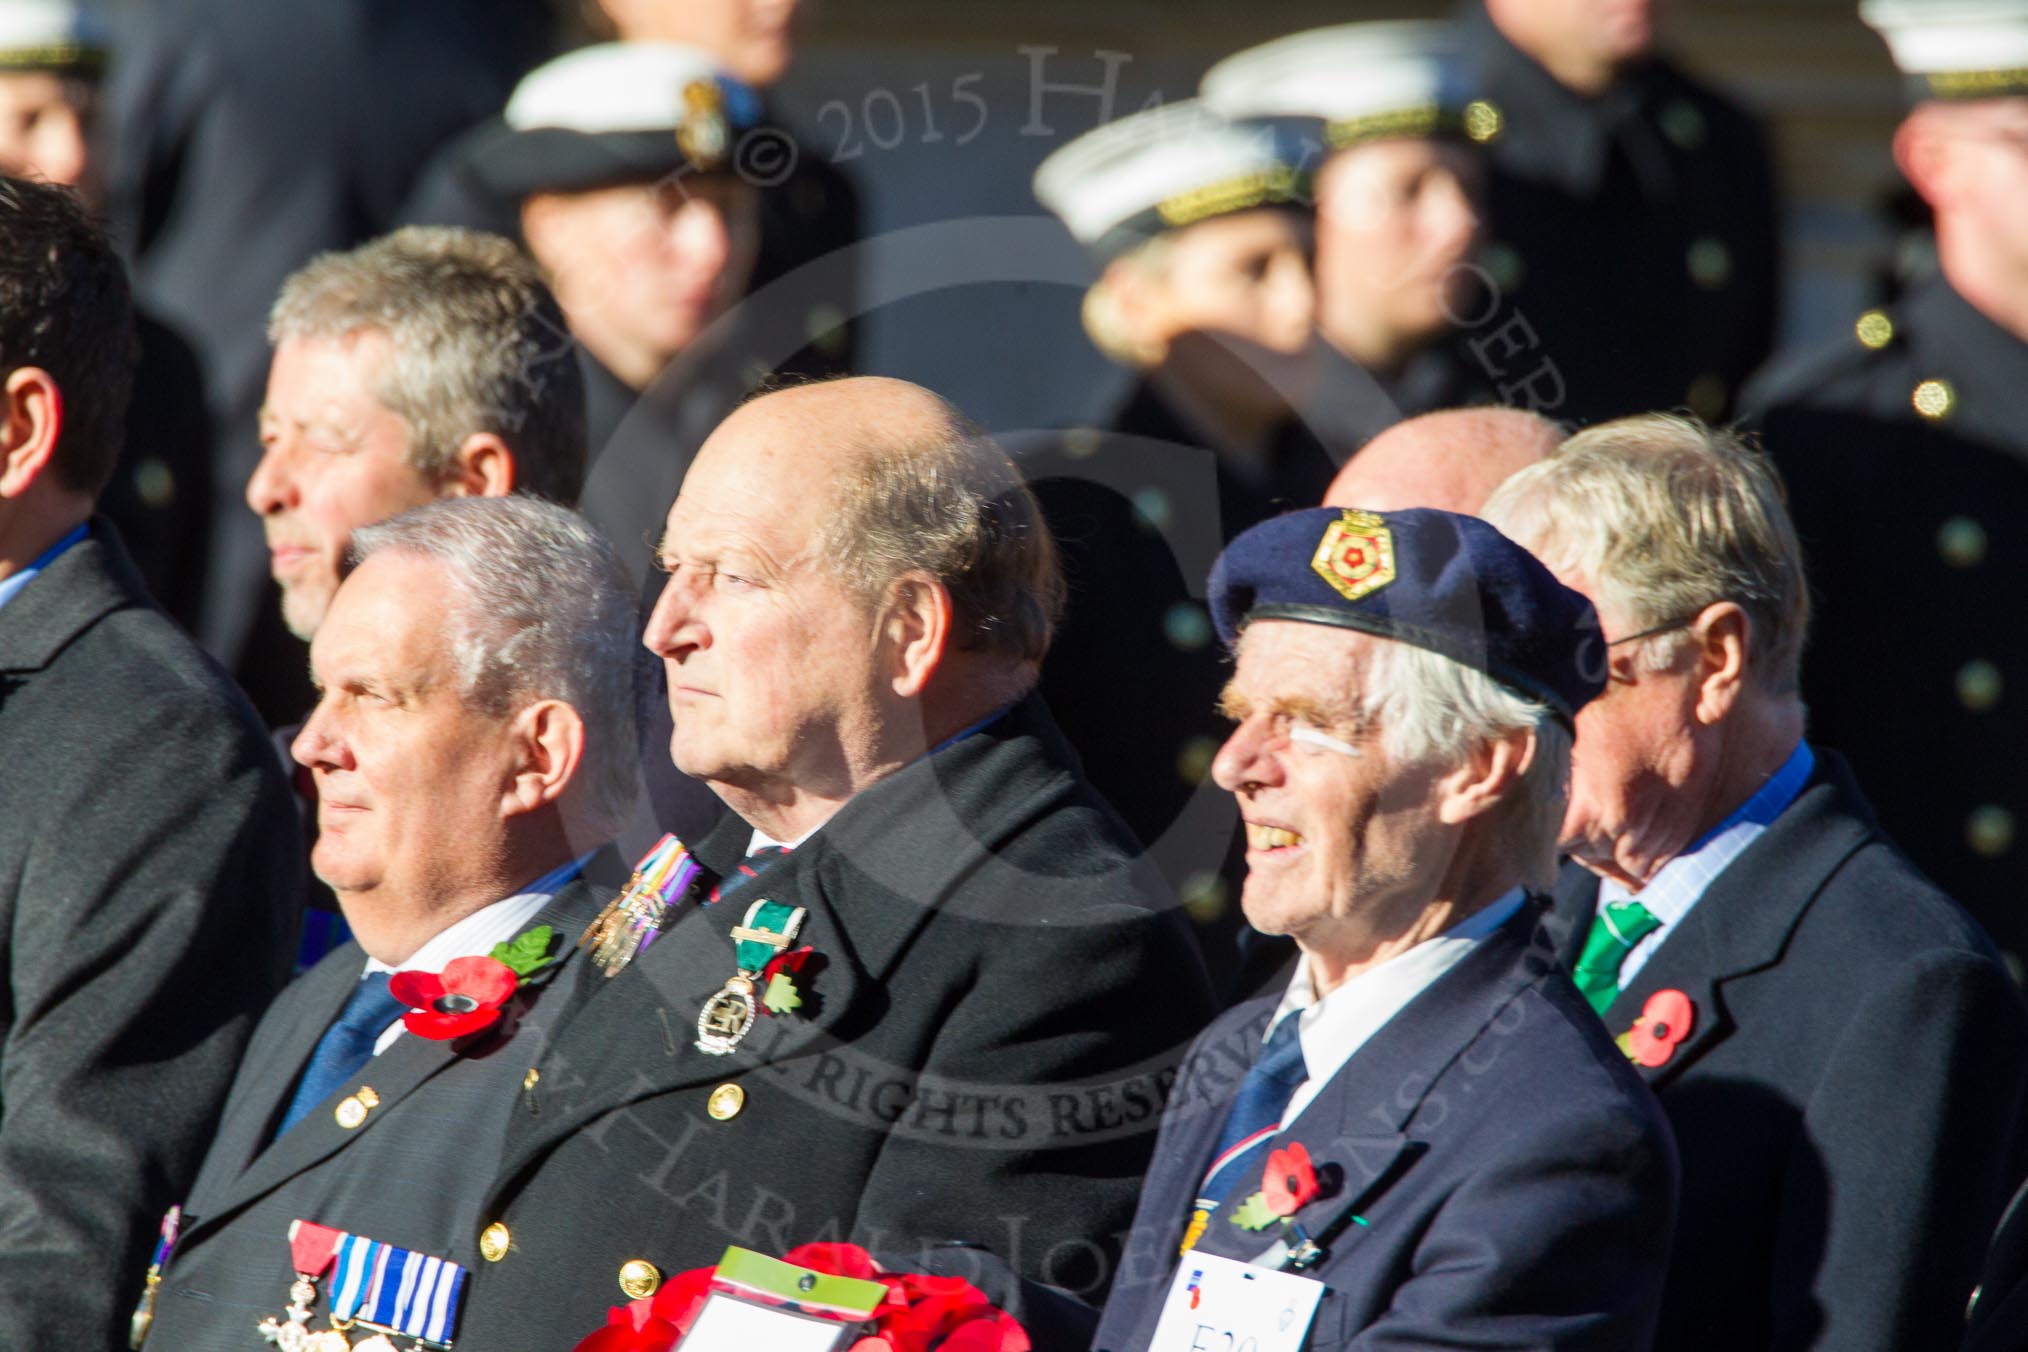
{"x": 888, "y": 478}
{"x": 1452, "y": 459}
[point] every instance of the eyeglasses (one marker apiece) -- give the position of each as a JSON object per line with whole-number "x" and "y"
{"x": 1669, "y": 628}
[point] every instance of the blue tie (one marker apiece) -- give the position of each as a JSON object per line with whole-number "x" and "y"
{"x": 346, "y": 1045}
{"x": 1256, "y": 1113}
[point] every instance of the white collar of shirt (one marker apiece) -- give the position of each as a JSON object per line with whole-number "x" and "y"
{"x": 1679, "y": 884}
{"x": 11, "y": 585}
{"x": 762, "y": 840}
{"x": 1338, "y": 1025}
{"x": 476, "y": 935}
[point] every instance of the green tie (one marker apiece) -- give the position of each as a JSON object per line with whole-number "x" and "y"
{"x": 1614, "y": 932}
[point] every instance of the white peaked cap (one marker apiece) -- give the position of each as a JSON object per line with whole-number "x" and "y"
{"x": 1342, "y": 73}
{"x": 622, "y": 87}
{"x": 1961, "y": 48}
{"x": 50, "y": 34}
{"x": 1127, "y": 172}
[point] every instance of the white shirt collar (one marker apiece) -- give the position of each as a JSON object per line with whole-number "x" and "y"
{"x": 1339, "y": 1024}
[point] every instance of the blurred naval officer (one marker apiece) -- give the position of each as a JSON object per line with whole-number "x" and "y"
{"x": 1633, "y": 212}
{"x": 1905, "y": 447}
{"x": 1382, "y": 116}
{"x": 1200, "y": 230}
{"x": 809, "y": 215}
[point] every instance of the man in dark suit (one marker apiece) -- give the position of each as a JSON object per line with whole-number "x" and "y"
{"x": 1842, "y": 1054}
{"x": 147, "y": 835}
{"x": 1429, "y": 1129}
{"x": 1910, "y": 426}
{"x": 935, "y": 1007}
{"x": 473, "y": 747}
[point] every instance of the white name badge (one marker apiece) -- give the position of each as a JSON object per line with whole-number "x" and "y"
{"x": 1219, "y": 1305}
{"x": 728, "y": 1324}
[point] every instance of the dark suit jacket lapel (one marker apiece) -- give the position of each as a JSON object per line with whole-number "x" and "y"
{"x": 1745, "y": 917}
{"x": 408, "y": 1064}
{"x": 1355, "y": 1129}
{"x": 88, "y": 581}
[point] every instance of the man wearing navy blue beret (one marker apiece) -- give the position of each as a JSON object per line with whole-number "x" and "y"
{"x": 1429, "y": 1139}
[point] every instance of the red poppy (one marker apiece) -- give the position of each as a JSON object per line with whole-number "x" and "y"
{"x": 995, "y": 1332}
{"x": 677, "y": 1301}
{"x": 790, "y": 960}
{"x": 465, "y": 998}
{"x": 1290, "y": 1183}
{"x": 631, "y": 1328}
{"x": 1665, "y": 1020}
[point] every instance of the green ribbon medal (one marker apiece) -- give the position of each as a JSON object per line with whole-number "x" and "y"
{"x": 769, "y": 928}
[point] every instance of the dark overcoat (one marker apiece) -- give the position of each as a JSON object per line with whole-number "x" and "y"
{"x": 979, "y": 1062}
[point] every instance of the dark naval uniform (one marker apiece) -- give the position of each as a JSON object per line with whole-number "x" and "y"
{"x": 1140, "y": 512}
{"x": 985, "y": 1037}
{"x": 1634, "y": 233}
{"x": 1905, "y": 448}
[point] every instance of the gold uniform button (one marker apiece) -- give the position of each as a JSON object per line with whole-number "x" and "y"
{"x": 1709, "y": 263}
{"x": 1979, "y": 685}
{"x": 639, "y": 1278}
{"x": 1706, "y": 397}
{"x": 1934, "y": 399}
{"x": 1683, "y": 124}
{"x": 1194, "y": 758}
{"x": 352, "y": 1111}
{"x": 531, "y": 1079}
{"x": 1875, "y": 329}
{"x": 1990, "y": 831}
{"x": 725, "y": 1102}
{"x": 1483, "y": 120}
{"x": 1962, "y": 542}
{"x": 493, "y": 1241}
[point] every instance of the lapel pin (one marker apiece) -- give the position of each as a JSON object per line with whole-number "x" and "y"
{"x": 1666, "y": 1019}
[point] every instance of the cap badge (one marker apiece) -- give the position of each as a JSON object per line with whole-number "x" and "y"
{"x": 1356, "y": 555}
{"x": 702, "y": 134}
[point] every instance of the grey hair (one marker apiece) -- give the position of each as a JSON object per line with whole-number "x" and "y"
{"x": 540, "y": 608}
{"x": 478, "y": 345}
{"x": 1661, "y": 516}
{"x": 954, "y": 506}
{"x": 1428, "y": 707}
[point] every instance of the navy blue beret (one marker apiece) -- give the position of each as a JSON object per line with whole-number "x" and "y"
{"x": 1442, "y": 581}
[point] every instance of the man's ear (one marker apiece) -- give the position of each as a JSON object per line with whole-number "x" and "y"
{"x": 549, "y": 752}
{"x": 31, "y": 419}
{"x": 915, "y": 630}
{"x": 1722, "y": 633}
{"x": 482, "y": 467}
{"x": 1488, "y": 775}
{"x": 1922, "y": 151}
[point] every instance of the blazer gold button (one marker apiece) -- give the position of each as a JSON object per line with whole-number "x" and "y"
{"x": 493, "y": 1241}
{"x": 531, "y": 1079}
{"x": 352, "y": 1110}
{"x": 639, "y": 1278}
{"x": 1934, "y": 399}
{"x": 725, "y": 1102}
